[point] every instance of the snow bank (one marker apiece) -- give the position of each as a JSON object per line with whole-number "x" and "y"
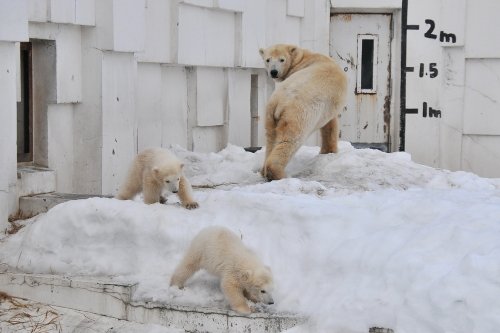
{"x": 355, "y": 240}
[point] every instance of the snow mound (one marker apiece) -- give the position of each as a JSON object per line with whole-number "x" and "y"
{"x": 355, "y": 239}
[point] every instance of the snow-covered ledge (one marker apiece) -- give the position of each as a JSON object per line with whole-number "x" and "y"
{"x": 113, "y": 299}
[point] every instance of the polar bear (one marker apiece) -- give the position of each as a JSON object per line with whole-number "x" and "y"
{"x": 309, "y": 96}
{"x": 222, "y": 253}
{"x": 152, "y": 171}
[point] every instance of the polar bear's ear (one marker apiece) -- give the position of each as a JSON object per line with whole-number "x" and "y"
{"x": 292, "y": 49}
{"x": 245, "y": 275}
{"x": 156, "y": 170}
{"x": 261, "y": 51}
{"x": 182, "y": 165}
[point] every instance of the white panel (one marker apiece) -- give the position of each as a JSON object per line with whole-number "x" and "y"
{"x": 202, "y": 3}
{"x": 423, "y": 132}
{"x": 68, "y": 64}
{"x": 118, "y": 118}
{"x": 253, "y": 32}
{"x": 452, "y": 98}
{"x": 62, "y": 11}
{"x": 85, "y": 12}
{"x": 480, "y": 154}
{"x": 68, "y": 57}
{"x": 8, "y": 162}
{"x": 295, "y": 8}
{"x": 148, "y": 106}
{"x": 206, "y": 36}
{"x": 293, "y": 30}
{"x": 276, "y": 27}
{"x": 158, "y": 37}
{"x": 103, "y": 32}
{"x": 38, "y": 10}
{"x": 129, "y": 25}
{"x": 453, "y": 16}
{"x": 482, "y": 101}
{"x": 365, "y": 4}
{"x": 315, "y": 31}
{"x": 88, "y": 121}
{"x": 481, "y": 26}
{"x": 207, "y": 139}
{"x": 239, "y": 107}
{"x": 60, "y": 145}
{"x": 14, "y": 20}
{"x": 174, "y": 106}
{"x": 211, "y": 96}
{"x": 234, "y": 5}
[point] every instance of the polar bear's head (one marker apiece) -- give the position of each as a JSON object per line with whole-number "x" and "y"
{"x": 279, "y": 59}
{"x": 169, "y": 176}
{"x": 258, "y": 285}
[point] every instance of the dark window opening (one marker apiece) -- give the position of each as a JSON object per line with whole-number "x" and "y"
{"x": 24, "y": 107}
{"x": 367, "y": 48}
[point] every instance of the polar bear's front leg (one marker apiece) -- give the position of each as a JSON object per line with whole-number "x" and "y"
{"x": 151, "y": 191}
{"x": 234, "y": 295}
{"x": 189, "y": 265}
{"x": 185, "y": 194}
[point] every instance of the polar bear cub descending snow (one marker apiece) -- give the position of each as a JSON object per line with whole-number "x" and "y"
{"x": 309, "y": 97}
{"x": 153, "y": 171}
{"x": 222, "y": 253}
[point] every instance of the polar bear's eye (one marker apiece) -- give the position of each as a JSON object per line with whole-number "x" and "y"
{"x": 263, "y": 291}
{"x": 282, "y": 60}
{"x": 167, "y": 181}
{"x": 268, "y": 59}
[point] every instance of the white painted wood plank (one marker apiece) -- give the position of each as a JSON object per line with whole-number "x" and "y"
{"x": 211, "y": 96}
{"x": 482, "y": 101}
{"x": 149, "y": 106}
{"x": 174, "y": 106}
{"x": 118, "y": 118}
{"x": 239, "y": 107}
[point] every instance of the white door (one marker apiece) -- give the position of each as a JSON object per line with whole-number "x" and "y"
{"x": 360, "y": 43}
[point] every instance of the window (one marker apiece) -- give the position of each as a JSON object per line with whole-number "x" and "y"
{"x": 366, "y": 82}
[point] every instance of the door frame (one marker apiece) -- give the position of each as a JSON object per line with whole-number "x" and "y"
{"x": 394, "y": 103}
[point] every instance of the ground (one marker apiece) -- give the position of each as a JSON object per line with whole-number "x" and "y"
{"x": 355, "y": 240}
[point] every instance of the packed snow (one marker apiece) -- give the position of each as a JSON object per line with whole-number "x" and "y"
{"x": 355, "y": 240}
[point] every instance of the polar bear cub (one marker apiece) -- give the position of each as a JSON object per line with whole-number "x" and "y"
{"x": 153, "y": 171}
{"x": 311, "y": 94}
{"x": 222, "y": 253}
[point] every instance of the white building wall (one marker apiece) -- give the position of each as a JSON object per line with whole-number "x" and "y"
{"x": 174, "y": 106}
{"x": 466, "y": 91}
{"x": 8, "y": 146}
{"x": 131, "y": 74}
{"x": 13, "y": 28}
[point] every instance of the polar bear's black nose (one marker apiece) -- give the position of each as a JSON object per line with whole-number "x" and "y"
{"x": 274, "y": 73}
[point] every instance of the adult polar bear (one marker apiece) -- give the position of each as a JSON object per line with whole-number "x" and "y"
{"x": 309, "y": 96}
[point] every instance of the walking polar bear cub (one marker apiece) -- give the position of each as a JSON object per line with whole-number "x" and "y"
{"x": 222, "y": 253}
{"x": 309, "y": 96}
{"x": 152, "y": 171}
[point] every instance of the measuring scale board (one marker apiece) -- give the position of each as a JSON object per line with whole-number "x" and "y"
{"x": 430, "y": 35}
